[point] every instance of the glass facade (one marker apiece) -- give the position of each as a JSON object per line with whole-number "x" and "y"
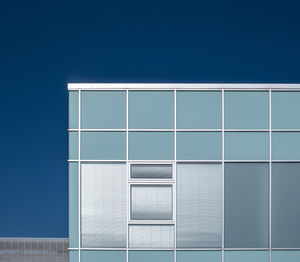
{"x": 184, "y": 173}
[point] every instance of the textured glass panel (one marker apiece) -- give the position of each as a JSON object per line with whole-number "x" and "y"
{"x": 246, "y": 145}
{"x": 285, "y": 110}
{"x": 247, "y": 256}
{"x": 73, "y": 256}
{"x": 103, "y": 145}
{"x": 73, "y": 109}
{"x": 151, "y": 145}
{"x": 151, "y": 171}
{"x": 199, "y": 205}
{"x": 73, "y": 145}
{"x": 151, "y": 256}
{"x": 199, "y": 145}
{"x": 246, "y": 205}
{"x": 151, "y": 109}
{"x": 104, "y": 209}
{"x": 73, "y": 204}
{"x": 151, "y": 202}
{"x": 198, "y": 256}
{"x": 286, "y": 256}
{"x": 103, "y": 109}
{"x": 151, "y": 236}
{"x": 103, "y": 256}
{"x": 285, "y": 205}
{"x": 286, "y": 145}
{"x": 199, "y": 109}
{"x": 246, "y": 109}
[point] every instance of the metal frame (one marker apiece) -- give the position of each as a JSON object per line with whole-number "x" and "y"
{"x": 178, "y": 87}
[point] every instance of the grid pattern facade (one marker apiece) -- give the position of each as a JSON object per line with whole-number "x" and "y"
{"x": 184, "y": 173}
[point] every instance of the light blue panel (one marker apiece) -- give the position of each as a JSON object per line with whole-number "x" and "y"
{"x": 151, "y": 145}
{"x": 73, "y": 204}
{"x": 151, "y": 256}
{"x": 103, "y": 256}
{"x": 151, "y": 109}
{"x": 246, "y": 145}
{"x": 198, "y": 256}
{"x": 247, "y": 256}
{"x": 286, "y": 145}
{"x": 199, "y": 109}
{"x": 73, "y": 109}
{"x": 246, "y": 109}
{"x": 285, "y": 110}
{"x": 286, "y": 256}
{"x": 103, "y": 145}
{"x": 73, "y": 256}
{"x": 103, "y": 109}
{"x": 73, "y": 145}
{"x": 199, "y": 145}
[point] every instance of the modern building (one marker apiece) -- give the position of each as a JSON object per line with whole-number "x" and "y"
{"x": 184, "y": 172}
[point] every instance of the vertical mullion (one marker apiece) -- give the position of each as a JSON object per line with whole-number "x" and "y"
{"x": 223, "y": 177}
{"x": 79, "y": 175}
{"x": 175, "y": 179}
{"x": 270, "y": 175}
{"x": 127, "y": 185}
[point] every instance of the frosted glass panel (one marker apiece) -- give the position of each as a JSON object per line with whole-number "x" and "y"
{"x": 151, "y": 202}
{"x": 103, "y": 256}
{"x": 199, "y": 204}
{"x": 246, "y": 205}
{"x": 198, "y": 256}
{"x": 151, "y": 236}
{"x": 73, "y": 109}
{"x": 246, "y": 256}
{"x": 286, "y": 145}
{"x": 104, "y": 205}
{"x": 151, "y": 171}
{"x": 151, "y": 256}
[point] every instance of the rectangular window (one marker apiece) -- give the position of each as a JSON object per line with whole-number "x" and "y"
{"x": 151, "y": 171}
{"x": 286, "y": 145}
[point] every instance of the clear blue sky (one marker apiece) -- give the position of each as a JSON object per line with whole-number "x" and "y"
{"x": 46, "y": 44}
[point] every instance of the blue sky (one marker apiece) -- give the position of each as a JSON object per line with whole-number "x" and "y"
{"x": 45, "y": 45}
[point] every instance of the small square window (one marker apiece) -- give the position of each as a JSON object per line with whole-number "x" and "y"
{"x": 151, "y": 171}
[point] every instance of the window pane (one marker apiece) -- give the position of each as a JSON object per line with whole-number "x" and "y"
{"x": 73, "y": 109}
{"x": 199, "y": 205}
{"x": 73, "y": 256}
{"x": 73, "y": 204}
{"x": 151, "y": 145}
{"x": 151, "y": 171}
{"x": 104, "y": 209}
{"x": 285, "y": 110}
{"x": 105, "y": 256}
{"x": 151, "y": 109}
{"x": 198, "y": 256}
{"x": 152, "y": 202}
{"x": 246, "y": 205}
{"x": 246, "y": 256}
{"x": 285, "y": 205}
{"x": 286, "y": 256}
{"x": 103, "y": 109}
{"x": 247, "y": 110}
{"x": 103, "y": 145}
{"x": 199, "y": 109}
{"x": 73, "y": 145}
{"x": 151, "y": 236}
{"x": 150, "y": 256}
{"x": 246, "y": 146}
{"x": 199, "y": 145}
{"x": 286, "y": 145}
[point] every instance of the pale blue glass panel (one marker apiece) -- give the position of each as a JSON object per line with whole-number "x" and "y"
{"x": 103, "y": 256}
{"x": 103, "y": 109}
{"x": 73, "y": 145}
{"x": 151, "y": 109}
{"x": 246, "y": 109}
{"x": 198, "y": 256}
{"x": 247, "y": 256}
{"x": 199, "y": 109}
{"x": 246, "y": 145}
{"x": 73, "y": 109}
{"x": 286, "y": 256}
{"x": 246, "y": 205}
{"x": 151, "y": 145}
{"x": 150, "y": 256}
{"x": 73, "y": 256}
{"x": 103, "y": 145}
{"x": 285, "y": 110}
{"x": 286, "y": 145}
{"x": 199, "y": 145}
{"x": 73, "y": 204}
{"x": 285, "y": 205}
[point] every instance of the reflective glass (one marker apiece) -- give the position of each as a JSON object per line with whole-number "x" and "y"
{"x": 286, "y": 145}
{"x": 73, "y": 145}
{"x": 73, "y": 256}
{"x": 73, "y": 109}
{"x": 151, "y": 171}
{"x": 103, "y": 255}
{"x": 286, "y": 256}
{"x": 246, "y": 256}
{"x": 151, "y": 256}
{"x": 198, "y": 256}
{"x": 73, "y": 204}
